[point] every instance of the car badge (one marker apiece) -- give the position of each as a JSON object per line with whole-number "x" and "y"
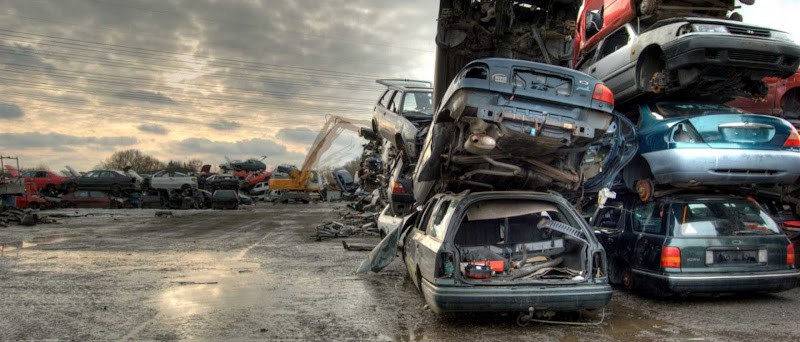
{"x": 583, "y": 82}
{"x": 736, "y": 242}
{"x": 750, "y": 32}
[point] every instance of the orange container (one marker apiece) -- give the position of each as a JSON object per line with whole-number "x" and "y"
{"x": 495, "y": 265}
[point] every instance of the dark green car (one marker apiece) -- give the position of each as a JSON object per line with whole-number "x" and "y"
{"x": 695, "y": 244}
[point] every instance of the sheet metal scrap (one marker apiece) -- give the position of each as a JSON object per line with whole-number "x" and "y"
{"x": 25, "y": 217}
{"x": 349, "y": 225}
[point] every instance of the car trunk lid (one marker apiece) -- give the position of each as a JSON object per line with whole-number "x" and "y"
{"x": 732, "y": 254}
{"x": 748, "y": 131}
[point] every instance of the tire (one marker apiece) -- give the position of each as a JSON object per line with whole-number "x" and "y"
{"x": 628, "y": 281}
{"x": 646, "y": 7}
{"x": 651, "y": 66}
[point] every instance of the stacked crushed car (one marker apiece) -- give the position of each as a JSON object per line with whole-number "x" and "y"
{"x": 481, "y": 193}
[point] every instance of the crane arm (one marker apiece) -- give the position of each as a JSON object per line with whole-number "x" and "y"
{"x": 334, "y": 126}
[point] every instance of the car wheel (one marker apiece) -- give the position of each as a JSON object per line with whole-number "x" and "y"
{"x": 653, "y": 75}
{"x": 791, "y": 105}
{"x": 647, "y": 7}
{"x": 645, "y": 189}
{"x": 627, "y": 279}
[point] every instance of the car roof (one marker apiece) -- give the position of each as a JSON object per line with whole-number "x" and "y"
{"x": 673, "y": 20}
{"x": 406, "y": 84}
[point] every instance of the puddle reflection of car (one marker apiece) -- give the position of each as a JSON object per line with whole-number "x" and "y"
{"x": 695, "y": 244}
{"x": 512, "y": 124}
{"x": 688, "y": 144}
{"x": 501, "y": 252}
{"x": 89, "y": 199}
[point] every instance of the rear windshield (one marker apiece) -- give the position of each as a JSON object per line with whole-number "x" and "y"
{"x": 673, "y": 109}
{"x": 536, "y": 80}
{"x": 721, "y": 218}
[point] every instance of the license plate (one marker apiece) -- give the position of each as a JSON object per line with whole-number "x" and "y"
{"x": 745, "y": 257}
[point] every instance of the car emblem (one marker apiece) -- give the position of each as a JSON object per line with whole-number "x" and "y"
{"x": 736, "y": 242}
{"x": 583, "y": 82}
{"x": 750, "y": 32}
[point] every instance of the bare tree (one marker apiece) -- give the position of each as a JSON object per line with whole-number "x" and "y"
{"x": 134, "y": 159}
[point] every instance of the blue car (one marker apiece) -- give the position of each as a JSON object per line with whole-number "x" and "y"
{"x": 685, "y": 144}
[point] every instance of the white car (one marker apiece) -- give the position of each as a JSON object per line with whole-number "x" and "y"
{"x": 169, "y": 180}
{"x": 259, "y": 191}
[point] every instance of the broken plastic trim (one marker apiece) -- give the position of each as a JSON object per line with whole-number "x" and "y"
{"x": 563, "y": 228}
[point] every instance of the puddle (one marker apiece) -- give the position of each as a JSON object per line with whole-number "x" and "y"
{"x": 36, "y": 241}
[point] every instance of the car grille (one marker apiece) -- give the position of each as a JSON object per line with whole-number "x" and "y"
{"x": 753, "y": 56}
{"x": 754, "y": 172}
{"x": 748, "y": 31}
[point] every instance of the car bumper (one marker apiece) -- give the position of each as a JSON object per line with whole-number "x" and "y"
{"x": 770, "y": 57}
{"x": 515, "y": 298}
{"x": 719, "y": 283}
{"x": 723, "y": 166}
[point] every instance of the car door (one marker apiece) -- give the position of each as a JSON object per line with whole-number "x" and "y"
{"x": 430, "y": 244}
{"x": 381, "y": 111}
{"x": 89, "y": 180}
{"x": 648, "y": 221}
{"x": 412, "y": 245}
{"x": 394, "y": 121}
{"x": 613, "y": 64}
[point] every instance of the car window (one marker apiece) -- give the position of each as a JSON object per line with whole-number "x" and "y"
{"x": 93, "y": 174}
{"x": 438, "y": 224}
{"x": 41, "y": 174}
{"x": 418, "y": 103}
{"x": 387, "y": 95}
{"x": 81, "y": 194}
{"x": 108, "y": 174}
{"x": 28, "y": 174}
{"x": 721, "y": 218}
{"x": 96, "y": 194}
{"x": 647, "y": 218}
{"x": 394, "y": 105}
{"x": 614, "y": 42}
{"x": 423, "y": 219}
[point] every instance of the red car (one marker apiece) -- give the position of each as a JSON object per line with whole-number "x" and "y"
{"x": 45, "y": 180}
{"x": 31, "y": 198}
{"x": 88, "y": 199}
{"x": 783, "y": 99}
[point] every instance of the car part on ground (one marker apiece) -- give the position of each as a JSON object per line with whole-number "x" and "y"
{"x": 350, "y": 224}
{"x": 511, "y": 124}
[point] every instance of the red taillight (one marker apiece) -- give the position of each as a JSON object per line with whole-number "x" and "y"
{"x": 671, "y": 257}
{"x": 603, "y": 94}
{"x": 793, "y": 140}
{"x": 398, "y": 188}
{"x": 790, "y": 254}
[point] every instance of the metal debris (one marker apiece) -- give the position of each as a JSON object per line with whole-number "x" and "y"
{"x": 350, "y": 224}
{"x": 25, "y": 217}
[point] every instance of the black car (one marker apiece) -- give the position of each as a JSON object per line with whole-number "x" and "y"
{"x": 227, "y": 182}
{"x": 105, "y": 180}
{"x": 225, "y": 199}
{"x": 688, "y": 243}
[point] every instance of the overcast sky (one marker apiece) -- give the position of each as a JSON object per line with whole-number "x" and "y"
{"x": 176, "y": 79}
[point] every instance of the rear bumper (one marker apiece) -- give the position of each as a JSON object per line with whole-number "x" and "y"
{"x": 768, "y": 57}
{"x": 720, "y": 283}
{"x": 515, "y": 298}
{"x": 723, "y": 166}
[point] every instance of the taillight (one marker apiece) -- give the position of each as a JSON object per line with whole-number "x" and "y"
{"x": 671, "y": 257}
{"x": 398, "y": 188}
{"x": 790, "y": 254}
{"x": 793, "y": 140}
{"x": 603, "y": 94}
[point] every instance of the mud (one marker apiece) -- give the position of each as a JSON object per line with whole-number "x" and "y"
{"x": 258, "y": 274}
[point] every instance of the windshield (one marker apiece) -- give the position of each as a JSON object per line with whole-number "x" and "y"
{"x": 721, "y": 218}
{"x": 675, "y": 109}
{"x": 418, "y": 103}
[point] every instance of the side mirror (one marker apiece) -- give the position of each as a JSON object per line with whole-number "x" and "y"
{"x": 593, "y": 22}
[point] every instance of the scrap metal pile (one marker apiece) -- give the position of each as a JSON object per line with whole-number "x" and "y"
{"x": 350, "y": 224}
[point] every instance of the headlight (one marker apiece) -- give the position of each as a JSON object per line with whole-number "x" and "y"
{"x": 709, "y": 28}
{"x": 782, "y": 36}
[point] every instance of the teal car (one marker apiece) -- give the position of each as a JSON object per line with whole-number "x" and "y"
{"x": 686, "y": 144}
{"x": 688, "y": 244}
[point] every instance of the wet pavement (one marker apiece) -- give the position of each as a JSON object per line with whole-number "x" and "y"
{"x": 258, "y": 274}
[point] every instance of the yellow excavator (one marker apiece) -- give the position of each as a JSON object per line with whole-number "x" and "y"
{"x": 298, "y": 185}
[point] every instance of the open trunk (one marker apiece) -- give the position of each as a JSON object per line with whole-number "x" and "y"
{"x": 517, "y": 242}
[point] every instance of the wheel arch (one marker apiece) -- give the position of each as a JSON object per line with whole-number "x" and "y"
{"x": 650, "y": 56}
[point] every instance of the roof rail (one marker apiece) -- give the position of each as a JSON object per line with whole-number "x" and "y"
{"x": 396, "y": 82}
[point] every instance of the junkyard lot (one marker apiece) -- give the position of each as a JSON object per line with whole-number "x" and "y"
{"x": 257, "y": 273}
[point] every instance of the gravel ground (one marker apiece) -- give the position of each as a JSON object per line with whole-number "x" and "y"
{"x": 257, "y": 274}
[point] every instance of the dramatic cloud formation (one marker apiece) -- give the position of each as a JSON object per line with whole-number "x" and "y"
{"x": 58, "y": 141}
{"x": 297, "y": 135}
{"x": 153, "y": 128}
{"x": 224, "y": 125}
{"x": 10, "y": 111}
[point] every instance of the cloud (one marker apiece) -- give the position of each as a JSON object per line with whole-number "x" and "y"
{"x": 10, "y": 111}
{"x": 144, "y": 96}
{"x": 242, "y": 149}
{"x": 58, "y": 141}
{"x": 225, "y": 125}
{"x": 153, "y": 128}
{"x": 300, "y": 135}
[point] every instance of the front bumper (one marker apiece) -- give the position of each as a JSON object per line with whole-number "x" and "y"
{"x": 715, "y": 166}
{"x": 768, "y": 57}
{"x": 719, "y": 283}
{"x": 515, "y": 298}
